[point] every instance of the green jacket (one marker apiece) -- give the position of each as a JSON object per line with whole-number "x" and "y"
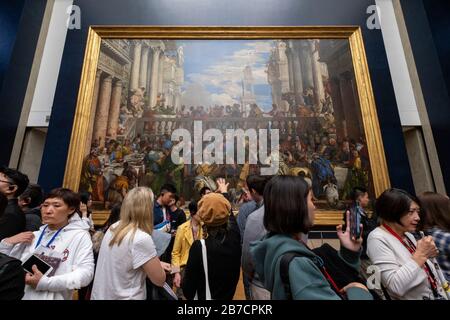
{"x": 306, "y": 280}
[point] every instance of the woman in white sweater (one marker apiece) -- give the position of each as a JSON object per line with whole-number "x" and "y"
{"x": 66, "y": 246}
{"x": 404, "y": 263}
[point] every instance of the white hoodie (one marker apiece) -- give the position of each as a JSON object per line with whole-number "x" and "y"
{"x": 75, "y": 271}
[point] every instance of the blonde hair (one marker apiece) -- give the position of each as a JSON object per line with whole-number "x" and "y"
{"x": 136, "y": 213}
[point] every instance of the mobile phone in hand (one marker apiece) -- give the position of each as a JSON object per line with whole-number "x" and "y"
{"x": 355, "y": 221}
{"x": 42, "y": 266}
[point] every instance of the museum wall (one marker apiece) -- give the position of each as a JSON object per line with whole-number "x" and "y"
{"x": 237, "y": 13}
{"x": 428, "y": 27}
{"x": 10, "y": 13}
{"x": 17, "y": 72}
{"x": 252, "y": 13}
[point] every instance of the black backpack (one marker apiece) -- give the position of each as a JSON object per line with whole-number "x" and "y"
{"x": 12, "y": 278}
{"x": 341, "y": 273}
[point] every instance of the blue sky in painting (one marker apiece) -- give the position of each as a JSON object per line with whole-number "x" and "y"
{"x": 213, "y": 71}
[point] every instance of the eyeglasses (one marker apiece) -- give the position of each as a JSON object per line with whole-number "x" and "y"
{"x": 6, "y": 181}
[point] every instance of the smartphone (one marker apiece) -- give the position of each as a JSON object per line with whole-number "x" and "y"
{"x": 355, "y": 221}
{"x": 43, "y": 266}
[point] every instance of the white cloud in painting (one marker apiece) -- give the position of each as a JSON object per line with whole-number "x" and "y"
{"x": 195, "y": 94}
{"x": 223, "y": 99}
{"x": 225, "y": 77}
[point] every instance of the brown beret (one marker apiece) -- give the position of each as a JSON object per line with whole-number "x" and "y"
{"x": 214, "y": 209}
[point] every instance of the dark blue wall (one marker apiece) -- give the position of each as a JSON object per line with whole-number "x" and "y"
{"x": 16, "y": 71}
{"x": 10, "y": 12}
{"x": 438, "y": 13}
{"x": 428, "y": 24}
{"x": 231, "y": 12}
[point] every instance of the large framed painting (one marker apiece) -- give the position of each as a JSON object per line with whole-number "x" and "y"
{"x": 187, "y": 105}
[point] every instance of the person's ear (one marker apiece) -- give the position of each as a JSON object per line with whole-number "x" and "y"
{"x": 12, "y": 188}
{"x": 26, "y": 200}
{"x": 72, "y": 211}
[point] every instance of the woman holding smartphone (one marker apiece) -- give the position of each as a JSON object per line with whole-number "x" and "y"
{"x": 288, "y": 215}
{"x": 62, "y": 245}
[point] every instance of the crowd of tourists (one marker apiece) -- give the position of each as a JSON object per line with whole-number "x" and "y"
{"x": 151, "y": 247}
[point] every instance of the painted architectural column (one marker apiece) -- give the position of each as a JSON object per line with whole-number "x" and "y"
{"x": 149, "y": 73}
{"x": 136, "y": 66}
{"x": 155, "y": 74}
{"x": 114, "y": 111}
{"x": 161, "y": 73}
{"x": 290, "y": 54}
{"x": 93, "y": 112}
{"x": 101, "y": 117}
{"x": 297, "y": 75}
{"x": 308, "y": 81}
{"x": 143, "y": 68}
{"x": 283, "y": 67}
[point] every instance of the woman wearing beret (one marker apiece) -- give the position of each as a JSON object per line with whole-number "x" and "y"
{"x": 223, "y": 250}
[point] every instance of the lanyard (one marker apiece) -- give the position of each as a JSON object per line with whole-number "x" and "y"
{"x": 51, "y": 240}
{"x": 412, "y": 248}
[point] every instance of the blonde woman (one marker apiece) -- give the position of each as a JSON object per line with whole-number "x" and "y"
{"x": 128, "y": 254}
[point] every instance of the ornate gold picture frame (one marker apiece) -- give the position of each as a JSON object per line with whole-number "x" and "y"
{"x": 336, "y": 53}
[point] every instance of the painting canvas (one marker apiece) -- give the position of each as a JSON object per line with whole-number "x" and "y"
{"x": 297, "y": 98}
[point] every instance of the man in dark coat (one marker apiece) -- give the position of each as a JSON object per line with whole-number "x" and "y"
{"x": 12, "y": 184}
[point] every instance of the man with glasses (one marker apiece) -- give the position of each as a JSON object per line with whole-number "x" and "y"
{"x": 12, "y": 184}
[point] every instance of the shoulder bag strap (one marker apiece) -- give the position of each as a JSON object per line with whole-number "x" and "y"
{"x": 284, "y": 272}
{"x": 205, "y": 268}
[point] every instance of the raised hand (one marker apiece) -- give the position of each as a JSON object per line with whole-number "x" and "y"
{"x": 345, "y": 237}
{"x": 222, "y": 185}
{"x": 84, "y": 210}
{"x": 426, "y": 248}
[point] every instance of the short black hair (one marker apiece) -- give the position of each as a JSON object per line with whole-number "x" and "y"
{"x": 16, "y": 178}
{"x": 84, "y": 196}
{"x": 286, "y": 206}
{"x": 35, "y": 193}
{"x": 393, "y": 204}
{"x": 203, "y": 190}
{"x": 357, "y": 192}
{"x": 167, "y": 187}
{"x": 72, "y": 199}
{"x": 193, "y": 208}
{"x": 257, "y": 183}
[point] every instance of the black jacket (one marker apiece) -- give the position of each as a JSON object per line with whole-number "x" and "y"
{"x": 33, "y": 219}
{"x": 224, "y": 262}
{"x": 12, "y": 220}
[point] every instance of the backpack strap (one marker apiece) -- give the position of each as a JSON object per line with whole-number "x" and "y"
{"x": 284, "y": 272}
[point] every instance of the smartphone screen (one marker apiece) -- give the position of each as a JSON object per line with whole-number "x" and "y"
{"x": 355, "y": 221}
{"x": 40, "y": 264}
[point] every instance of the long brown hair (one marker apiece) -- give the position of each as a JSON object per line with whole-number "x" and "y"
{"x": 437, "y": 210}
{"x": 136, "y": 213}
